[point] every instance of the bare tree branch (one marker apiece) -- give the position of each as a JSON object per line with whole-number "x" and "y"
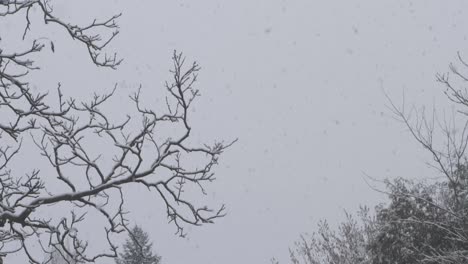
{"x": 62, "y": 135}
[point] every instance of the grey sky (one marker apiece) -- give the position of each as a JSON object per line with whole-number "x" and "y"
{"x": 300, "y": 83}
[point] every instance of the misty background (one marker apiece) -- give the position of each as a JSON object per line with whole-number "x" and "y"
{"x": 301, "y": 84}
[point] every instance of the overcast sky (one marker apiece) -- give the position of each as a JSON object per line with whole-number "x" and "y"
{"x": 300, "y": 83}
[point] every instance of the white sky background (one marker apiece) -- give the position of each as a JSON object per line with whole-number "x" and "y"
{"x": 300, "y": 83}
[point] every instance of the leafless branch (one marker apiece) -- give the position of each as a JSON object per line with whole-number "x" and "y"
{"x": 140, "y": 153}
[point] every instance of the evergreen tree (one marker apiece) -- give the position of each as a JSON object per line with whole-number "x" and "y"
{"x": 60, "y": 258}
{"x": 137, "y": 249}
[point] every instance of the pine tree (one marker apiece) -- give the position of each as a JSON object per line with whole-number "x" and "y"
{"x": 137, "y": 249}
{"x": 60, "y": 258}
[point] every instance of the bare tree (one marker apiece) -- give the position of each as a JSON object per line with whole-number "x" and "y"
{"x": 346, "y": 245}
{"x": 446, "y": 139}
{"x": 423, "y": 221}
{"x": 139, "y": 153}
